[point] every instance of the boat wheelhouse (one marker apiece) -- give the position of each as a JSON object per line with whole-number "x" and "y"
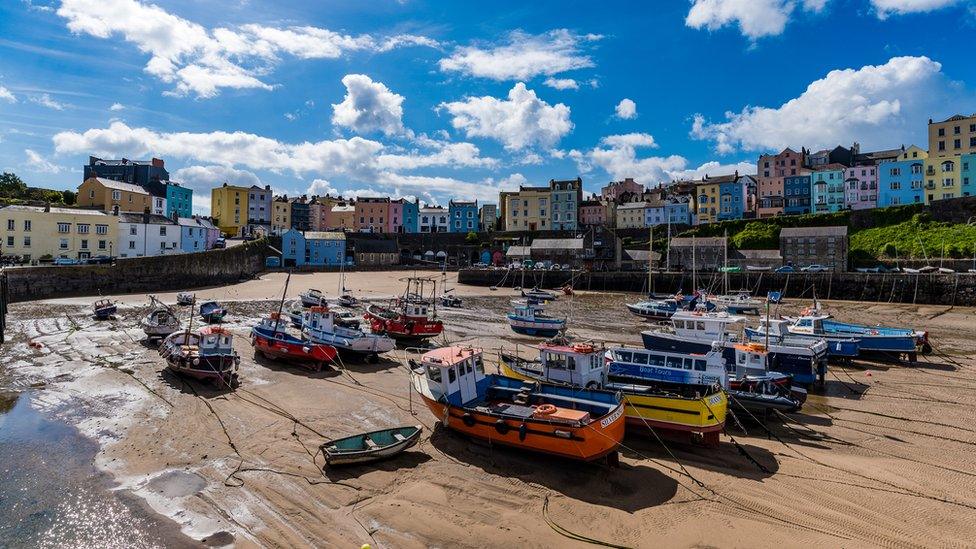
{"x": 699, "y": 413}
{"x": 528, "y": 318}
{"x": 697, "y": 332}
{"x": 271, "y": 339}
{"x": 206, "y": 354}
{"x": 104, "y": 309}
{"x": 319, "y": 326}
{"x": 570, "y": 422}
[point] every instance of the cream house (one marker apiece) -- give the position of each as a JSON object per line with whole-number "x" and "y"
{"x": 37, "y": 232}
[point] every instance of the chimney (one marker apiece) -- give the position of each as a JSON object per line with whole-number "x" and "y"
{"x": 157, "y": 162}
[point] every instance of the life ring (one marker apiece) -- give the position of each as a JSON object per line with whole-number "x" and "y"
{"x": 545, "y": 410}
{"x": 468, "y": 420}
{"x": 583, "y": 348}
{"x": 501, "y": 427}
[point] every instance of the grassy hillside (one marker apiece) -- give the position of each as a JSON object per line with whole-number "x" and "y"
{"x": 916, "y": 238}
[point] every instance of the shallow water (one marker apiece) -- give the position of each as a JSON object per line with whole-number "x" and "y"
{"x": 52, "y": 496}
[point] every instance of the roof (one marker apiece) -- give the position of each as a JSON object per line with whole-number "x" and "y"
{"x": 700, "y": 242}
{"x": 814, "y": 231}
{"x": 641, "y": 255}
{"x": 154, "y": 219}
{"x": 954, "y": 118}
{"x": 518, "y": 251}
{"x": 189, "y": 222}
{"x": 534, "y": 189}
{"x": 728, "y": 178}
{"x": 65, "y": 211}
{"x": 879, "y": 155}
{"x": 119, "y": 185}
{"x": 832, "y": 167}
{"x": 557, "y": 244}
{"x": 324, "y": 235}
{"x": 760, "y": 254}
{"x": 340, "y": 209}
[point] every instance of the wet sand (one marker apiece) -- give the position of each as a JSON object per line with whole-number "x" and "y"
{"x": 884, "y": 457}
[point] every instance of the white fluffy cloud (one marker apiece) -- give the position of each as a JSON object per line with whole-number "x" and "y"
{"x": 7, "y": 96}
{"x": 321, "y": 187}
{"x": 755, "y": 18}
{"x": 626, "y": 109}
{"x": 617, "y": 155}
{"x": 523, "y": 56}
{"x": 368, "y": 107}
{"x": 201, "y": 61}
{"x": 562, "y": 83}
{"x": 885, "y": 8}
{"x": 877, "y": 105}
{"x": 37, "y": 163}
{"x": 204, "y": 178}
{"x": 521, "y": 121}
{"x": 117, "y": 107}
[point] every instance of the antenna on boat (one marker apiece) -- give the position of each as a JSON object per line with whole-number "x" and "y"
{"x": 650, "y": 253}
{"x": 189, "y": 323}
{"x": 725, "y": 263}
{"x": 667, "y": 264}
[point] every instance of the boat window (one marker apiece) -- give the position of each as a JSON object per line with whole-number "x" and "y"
{"x": 742, "y": 358}
{"x": 434, "y": 373}
{"x": 700, "y": 325}
{"x": 467, "y": 366}
{"x": 679, "y": 324}
{"x": 571, "y": 362}
{"x": 700, "y": 365}
{"x": 688, "y": 363}
{"x": 655, "y": 360}
{"x": 479, "y": 365}
{"x": 623, "y": 356}
{"x": 674, "y": 362}
{"x": 805, "y": 322}
{"x": 640, "y": 358}
{"x": 451, "y": 375}
{"x": 594, "y": 362}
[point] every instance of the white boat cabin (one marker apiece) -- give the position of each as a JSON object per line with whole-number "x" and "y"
{"x": 215, "y": 341}
{"x": 667, "y": 366}
{"x": 808, "y": 325}
{"x": 706, "y": 326}
{"x": 580, "y": 365}
{"x": 416, "y": 308}
{"x": 456, "y": 374}
{"x": 750, "y": 360}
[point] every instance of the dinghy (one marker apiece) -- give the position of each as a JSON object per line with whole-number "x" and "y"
{"x": 312, "y": 298}
{"x": 212, "y": 312}
{"x": 160, "y": 322}
{"x": 185, "y": 298}
{"x": 373, "y": 446}
{"x": 104, "y": 309}
{"x": 528, "y": 318}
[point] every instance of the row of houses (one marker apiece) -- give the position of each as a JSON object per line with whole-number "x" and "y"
{"x": 35, "y": 233}
{"x": 133, "y": 185}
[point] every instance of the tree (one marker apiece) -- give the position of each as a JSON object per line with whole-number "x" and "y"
{"x": 11, "y": 186}
{"x": 69, "y": 197}
{"x": 471, "y": 238}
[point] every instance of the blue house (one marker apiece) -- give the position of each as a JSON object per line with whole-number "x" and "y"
{"x": 313, "y": 248}
{"x": 411, "y": 216}
{"x": 797, "y": 190}
{"x": 463, "y": 216}
{"x": 193, "y": 234}
{"x": 902, "y": 181}
{"x": 179, "y": 200}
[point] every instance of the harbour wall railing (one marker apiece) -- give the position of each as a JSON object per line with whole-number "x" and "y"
{"x": 935, "y": 289}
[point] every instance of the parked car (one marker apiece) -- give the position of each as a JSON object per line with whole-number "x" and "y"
{"x": 220, "y": 243}
{"x": 480, "y": 265}
{"x": 815, "y": 268}
{"x": 540, "y": 266}
{"x": 66, "y": 261}
{"x": 785, "y": 269}
{"x": 99, "y": 260}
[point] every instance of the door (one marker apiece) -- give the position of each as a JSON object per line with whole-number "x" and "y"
{"x": 469, "y": 387}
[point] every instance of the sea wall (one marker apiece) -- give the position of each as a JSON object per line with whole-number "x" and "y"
{"x": 140, "y": 274}
{"x": 936, "y": 289}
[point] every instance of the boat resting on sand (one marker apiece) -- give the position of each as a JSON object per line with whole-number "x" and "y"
{"x": 573, "y": 423}
{"x": 271, "y": 339}
{"x": 104, "y": 309}
{"x": 700, "y": 416}
{"x": 160, "y": 322}
{"x": 373, "y": 446}
{"x": 312, "y": 298}
{"x": 206, "y": 354}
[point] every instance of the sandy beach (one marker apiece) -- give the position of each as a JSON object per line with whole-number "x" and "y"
{"x": 883, "y": 457}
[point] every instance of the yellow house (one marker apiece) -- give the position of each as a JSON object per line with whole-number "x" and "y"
{"x": 228, "y": 206}
{"x": 707, "y": 196}
{"x": 632, "y": 215}
{"x": 527, "y": 209}
{"x": 107, "y": 195}
{"x": 948, "y": 141}
{"x": 280, "y": 215}
{"x": 342, "y": 216}
{"x": 38, "y": 231}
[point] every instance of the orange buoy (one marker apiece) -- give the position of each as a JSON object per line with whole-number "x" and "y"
{"x": 546, "y": 410}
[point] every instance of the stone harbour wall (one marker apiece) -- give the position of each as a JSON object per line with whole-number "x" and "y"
{"x": 934, "y": 289}
{"x": 140, "y": 274}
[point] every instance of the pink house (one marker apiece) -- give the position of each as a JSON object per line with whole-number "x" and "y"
{"x": 395, "y": 222}
{"x": 861, "y": 187}
{"x": 592, "y": 212}
{"x": 616, "y": 188}
{"x": 772, "y": 169}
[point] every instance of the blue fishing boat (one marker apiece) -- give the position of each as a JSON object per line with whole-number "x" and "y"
{"x": 697, "y": 332}
{"x": 656, "y": 309}
{"x": 212, "y": 312}
{"x": 777, "y": 332}
{"x": 870, "y": 340}
{"x": 319, "y": 325}
{"x": 528, "y": 318}
{"x": 104, "y": 309}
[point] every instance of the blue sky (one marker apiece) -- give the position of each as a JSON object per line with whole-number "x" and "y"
{"x": 441, "y": 99}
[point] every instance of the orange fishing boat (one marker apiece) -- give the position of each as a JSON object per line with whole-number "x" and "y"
{"x": 584, "y": 424}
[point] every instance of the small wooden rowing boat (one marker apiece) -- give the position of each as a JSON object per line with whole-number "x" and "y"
{"x": 373, "y": 446}
{"x": 104, "y": 309}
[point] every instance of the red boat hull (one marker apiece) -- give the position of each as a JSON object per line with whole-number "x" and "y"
{"x": 404, "y": 327}
{"x": 310, "y": 354}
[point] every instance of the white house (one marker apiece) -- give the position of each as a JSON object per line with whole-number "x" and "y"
{"x": 157, "y": 205}
{"x": 147, "y": 234}
{"x": 434, "y": 220}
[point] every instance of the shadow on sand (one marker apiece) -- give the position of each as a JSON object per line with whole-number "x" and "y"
{"x": 626, "y": 487}
{"x": 407, "y": 460}
{"x": 726, "y": 459}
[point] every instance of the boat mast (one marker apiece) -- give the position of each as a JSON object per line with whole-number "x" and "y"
{"x": 667, "y": 260}
{"x": 694, "y": 266}
{"x": 725, "y": 263}
{"x": 281, "y": 304}
{"x": 650, "y": 253}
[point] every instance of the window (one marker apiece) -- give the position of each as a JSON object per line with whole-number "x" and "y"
{"x": 941, "y": 145}
{"x": 116, "y": 195}
{"x": 63, "y": 244}
{"x": 11, "y": 224}
{"x": 10, "y": 241}
{"x": 162, "y": 230}
{"x": 451, "y": 375}
{"x": 133, "y": 230}
{"x": 84, "y": 244}
{"x": 91, "y": 193}
{"x": 132, "y": 244}
{"x": 956, "y": 143}
{"x": 27, "y": 242}
{"x": 64, "y": 227}
{"x": 916, "y": 168}
{"x": 83, "y": 228}
{"x": 948, "y": 166}
{"x": 941, "y": 132}
{"x": 955, "y": 130}
{"x": 101, "y": 244}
